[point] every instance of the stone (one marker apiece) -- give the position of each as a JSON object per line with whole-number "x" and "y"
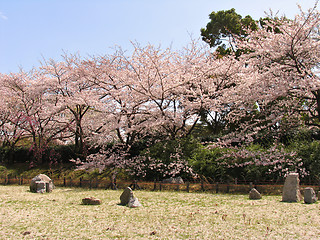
{"x": 254, "y": 194}
{"x": 26, "y": 233}
{"x": 91, "y": 201}
{"x": 126, "y": 196}
{"x": 127, "y": 199}
{"x": 177, "y": 180}
{"x": 291, "y": 191}
{"x": 134, "y": 203}
{"x": 41, "y": 184}
{"x": 309, "y": 195}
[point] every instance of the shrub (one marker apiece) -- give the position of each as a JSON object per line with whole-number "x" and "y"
{"x": 258, "y": 164}
{"x": 207, "y": 163}
{"x": 169, "y": 159}
{"x": 309, "y": 152}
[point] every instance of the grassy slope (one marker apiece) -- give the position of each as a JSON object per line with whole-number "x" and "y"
{"x": 164, "y": 215}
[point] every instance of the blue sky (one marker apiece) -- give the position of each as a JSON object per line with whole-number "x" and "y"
{"x": 31, "y": 30}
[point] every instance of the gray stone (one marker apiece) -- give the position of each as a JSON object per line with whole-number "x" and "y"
{"x": 127, "y": 199}
{"x": 41, "y": 186}
{"x": 134, "y": 203}
{"x": 254, "y": 194}
{"x": 91, "y": 201}
{"x": 309, "y": 195}
{"x": 41, "y": 183}
{"x": 177, "y": 180}
{"x": 291, "y": 191}
{"x": 126, "y": 196}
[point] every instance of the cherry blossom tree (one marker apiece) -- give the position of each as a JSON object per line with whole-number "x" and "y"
{"x": 175, "y": 86}
{"x": 278, "y": 89}
{"x": 122, "y": 112}
{"x": 280, "y": 81}
{"x": 31, "y": 114}
{"x": 158, "y": 93}
{"x": 271, "y": 164}
{"x": 6, "y": 133}
{"x": 71, "y": 88}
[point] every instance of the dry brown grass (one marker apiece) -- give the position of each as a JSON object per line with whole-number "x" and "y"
{"x": 164, "y": 215}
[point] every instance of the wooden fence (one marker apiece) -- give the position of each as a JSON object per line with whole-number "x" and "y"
{"x": 234, "y": 188}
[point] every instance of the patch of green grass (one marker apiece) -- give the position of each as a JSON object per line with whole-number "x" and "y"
{"x": 164, "y": 215}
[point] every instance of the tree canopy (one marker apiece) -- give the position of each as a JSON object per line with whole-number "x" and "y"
{"x": 223, "y": 27}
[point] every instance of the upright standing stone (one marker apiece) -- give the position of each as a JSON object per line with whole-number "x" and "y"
{"x": 126, "y": 196}
{"x": 254, "y": 194}
{"x": 309, "y": 195}
{"x": 291, "y": 191}
{"x": 127, "y": 199}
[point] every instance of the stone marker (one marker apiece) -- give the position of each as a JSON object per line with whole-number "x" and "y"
{"x": 41, "y": 184}
{"x": 91, "y": 201}
{"x": 126, "y": 196}
{"x": 309, "y": 195}
{"x": 254, "y": 194}
{"x": 127, "y": 199}
{"x": 291, "y": 192}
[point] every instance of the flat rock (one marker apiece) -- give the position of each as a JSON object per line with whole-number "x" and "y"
{"x": 91, "y": 201}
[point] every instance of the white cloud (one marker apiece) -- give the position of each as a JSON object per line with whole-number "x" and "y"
{"x": 2, "y": 16}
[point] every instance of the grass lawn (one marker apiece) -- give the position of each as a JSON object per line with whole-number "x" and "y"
{"x": 164, "y": 215}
